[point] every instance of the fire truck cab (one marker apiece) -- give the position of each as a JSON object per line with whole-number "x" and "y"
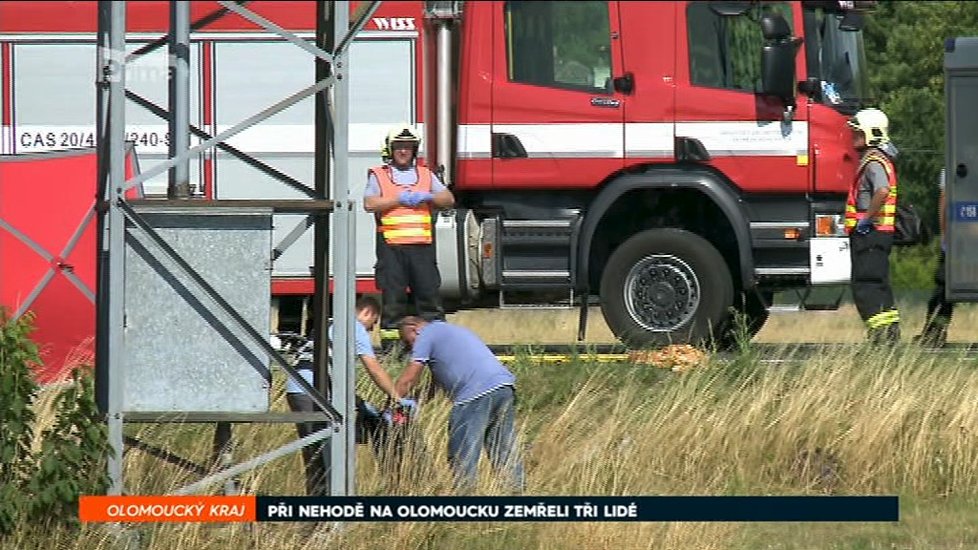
{"x": 676, "y": 160}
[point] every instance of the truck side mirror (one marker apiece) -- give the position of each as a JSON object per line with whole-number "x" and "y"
{"x": 778, "y": 58}
{"x": 775, "y": 27}
{"x": 852, "y": 21}
{"x": 778, "y": 70}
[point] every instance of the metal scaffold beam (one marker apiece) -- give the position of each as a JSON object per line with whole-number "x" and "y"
{"x": 179, "y": 122}
{"x": 110, "y": 304}
{"x": 126, "y": 224}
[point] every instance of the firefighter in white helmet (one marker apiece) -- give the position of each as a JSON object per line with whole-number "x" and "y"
{"x": 404, "y": 195}
{"x": 870, "y": 222}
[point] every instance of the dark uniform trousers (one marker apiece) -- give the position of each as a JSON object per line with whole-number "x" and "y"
{"x": 939, "y": 310}
{"x": 388, "y": 444}
{"x": 313, "y": 456}
{"x": 399, "y": 267}
{"x": 871, "y": 289}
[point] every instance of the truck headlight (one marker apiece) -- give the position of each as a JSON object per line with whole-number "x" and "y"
{"x": 829, "y": 225}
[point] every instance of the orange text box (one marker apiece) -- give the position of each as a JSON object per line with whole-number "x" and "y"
{"x": 125, "y": 509}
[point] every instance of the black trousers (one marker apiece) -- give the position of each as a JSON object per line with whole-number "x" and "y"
{"x": 871, "y": 291}
{"x": 939, "y": 310}
{"x": 312, "y": 455}
{"x": 386, "y": 445}
{"x": 402, "y": 266}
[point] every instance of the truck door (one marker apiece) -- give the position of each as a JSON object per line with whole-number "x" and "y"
{"x": 961, "y": 166}
{"x": 556, "y": 119}
{"x": 719, "y": 73}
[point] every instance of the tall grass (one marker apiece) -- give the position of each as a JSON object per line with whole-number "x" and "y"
{"x": 861, "y": 421}
{"x": 841, "y": 326}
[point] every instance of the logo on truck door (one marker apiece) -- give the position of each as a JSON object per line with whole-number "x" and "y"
{"x": 395, "y": 23}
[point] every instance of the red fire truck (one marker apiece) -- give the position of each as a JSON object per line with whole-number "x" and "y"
{"x": 673, "y": 161}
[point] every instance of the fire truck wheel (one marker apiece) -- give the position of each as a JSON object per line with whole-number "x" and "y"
{"x": 754, "y": 314}
{"x": 756, "y": 311}
{"x": 666, "y": 286}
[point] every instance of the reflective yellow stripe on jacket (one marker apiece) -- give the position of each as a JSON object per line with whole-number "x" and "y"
{"x": 404, "y": 224}
{"x": 407, "y": 218}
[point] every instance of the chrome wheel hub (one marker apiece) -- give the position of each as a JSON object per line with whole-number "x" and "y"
{"x": 661, "y": 292}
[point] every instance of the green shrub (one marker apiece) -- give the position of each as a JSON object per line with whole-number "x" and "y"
{"x": 17, "y": 393}
{"x": 912, "y": 267}
{"x": 42, "y": 488}
{"x": 73, "y": 455}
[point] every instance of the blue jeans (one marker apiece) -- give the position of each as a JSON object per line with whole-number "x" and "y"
{"x": 490, "y": 421}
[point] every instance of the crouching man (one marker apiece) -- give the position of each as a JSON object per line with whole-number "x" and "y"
{"x": 482, "y": 390}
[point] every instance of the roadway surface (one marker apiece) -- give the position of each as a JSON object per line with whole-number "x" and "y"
{"x": 766, "y": 353}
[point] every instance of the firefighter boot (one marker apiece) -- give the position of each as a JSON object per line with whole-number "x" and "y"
{"x": 934, "y": 335}
{"x": 885, "y": 335}
{"x": 892, "y": 333}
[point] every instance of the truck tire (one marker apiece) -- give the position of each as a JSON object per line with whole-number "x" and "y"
{"x": 666, "y": 286}
{"x": 754, "y": 312}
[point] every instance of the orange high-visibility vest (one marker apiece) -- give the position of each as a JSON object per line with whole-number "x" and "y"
{"x": 886, "y": 219}
{"x": 404, "y": 224}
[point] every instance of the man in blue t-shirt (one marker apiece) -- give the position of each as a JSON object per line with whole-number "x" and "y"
{"x": 482, "y": 391}
{"x": 368, "y": 312}
{"x": 939, "y": 310}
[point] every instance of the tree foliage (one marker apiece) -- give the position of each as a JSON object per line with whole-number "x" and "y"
{"x": 905, "y": 51}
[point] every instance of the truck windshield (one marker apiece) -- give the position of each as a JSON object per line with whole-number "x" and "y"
{"x": 837, "y": 59}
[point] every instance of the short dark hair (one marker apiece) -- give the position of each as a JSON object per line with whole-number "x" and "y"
{"x": 368, "y": 302}
{"x": 410, "y": 321}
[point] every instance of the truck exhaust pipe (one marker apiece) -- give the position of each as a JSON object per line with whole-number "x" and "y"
{"x": 440, "y": 16}
{"x": 445, "y": 102}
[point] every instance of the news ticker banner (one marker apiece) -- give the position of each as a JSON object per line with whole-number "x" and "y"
{"x": 126, "y": 509}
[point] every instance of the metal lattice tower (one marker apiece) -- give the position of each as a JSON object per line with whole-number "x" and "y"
{"x": 123, "y": 222}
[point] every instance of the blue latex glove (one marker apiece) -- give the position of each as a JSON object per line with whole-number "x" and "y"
{"x": 387, "y": 417}
{"x": 423, "y": 196}
{"x": 406, "y": 198}
{"x": 864, "y": 226}
{"x": 410, "y": 404}
{"x": 418, "y": 197}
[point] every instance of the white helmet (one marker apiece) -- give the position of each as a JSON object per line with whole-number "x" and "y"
{"x": 404, "y": 132}
{"x": 874, "y": 124}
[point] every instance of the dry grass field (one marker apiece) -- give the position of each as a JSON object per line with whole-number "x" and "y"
{"x": 532, "y": 326}
{"x": 889, "y": 421}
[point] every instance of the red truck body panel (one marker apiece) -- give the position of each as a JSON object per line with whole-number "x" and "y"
{"x": 48, "y": 252}
{"x": 576, "y": 139}
{"x": 650, "y": 41}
